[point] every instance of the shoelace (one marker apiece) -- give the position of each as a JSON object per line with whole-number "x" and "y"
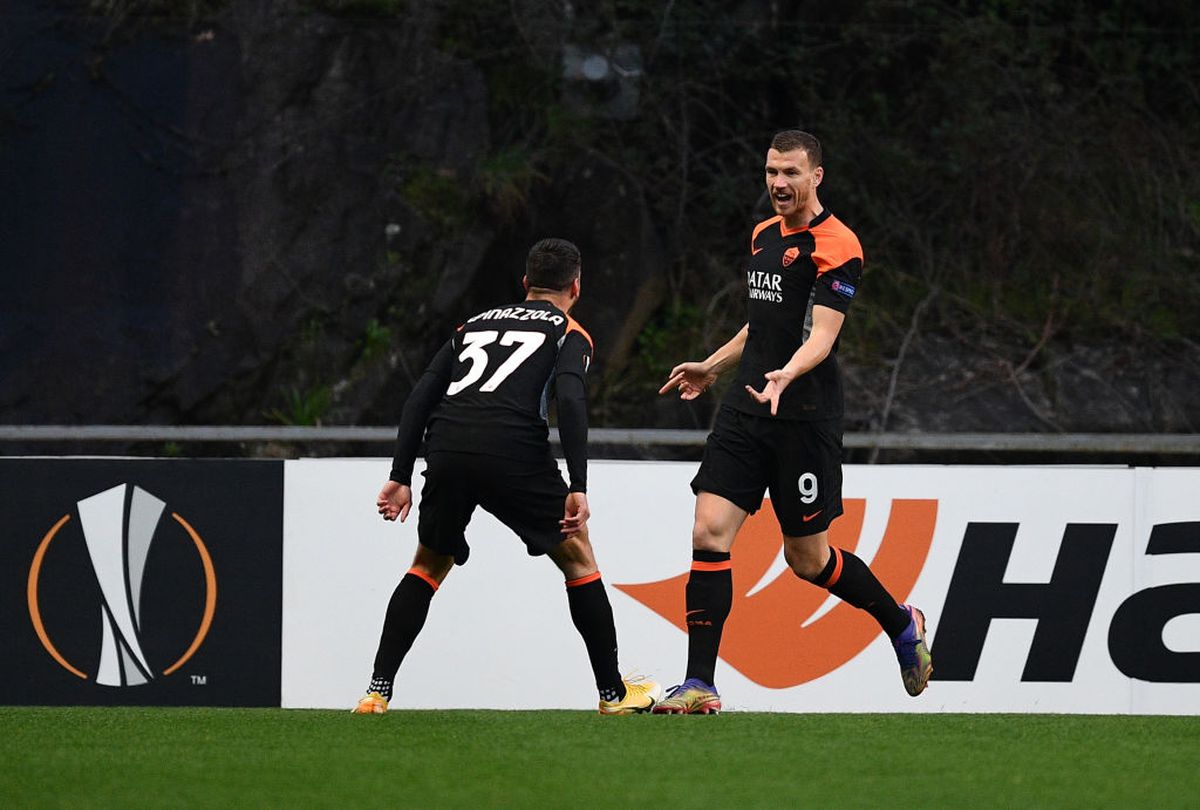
{"x": 685, "y": 685}
{"x": 635, "y": 677}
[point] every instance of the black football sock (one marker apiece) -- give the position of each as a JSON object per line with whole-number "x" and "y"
{"x": 848, "y": 578}
{"x": 405, "y": 617}
{"x": 593, "y": 618}
{"x": 381, "y": 685}
{"x": 708, "y": 597}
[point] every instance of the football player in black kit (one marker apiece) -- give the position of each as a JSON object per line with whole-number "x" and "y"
{"x": 779, "y": 427}
{"x": 481, "y": 406}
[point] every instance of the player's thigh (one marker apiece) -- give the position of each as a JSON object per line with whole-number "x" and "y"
{"x": 448, "y": 499}
{"x": 735, "y": 465}
{"x": 806, "y": 485}
{"x": 528, "y": 497}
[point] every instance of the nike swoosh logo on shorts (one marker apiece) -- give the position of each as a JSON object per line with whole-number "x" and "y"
{"x": 807, "y": 518}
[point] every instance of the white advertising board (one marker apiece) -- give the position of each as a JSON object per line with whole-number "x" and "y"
{"x": 1043, "y": 588}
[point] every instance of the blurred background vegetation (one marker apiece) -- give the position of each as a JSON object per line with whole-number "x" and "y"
{"x": 1020, "y": 174}
{"x": 1027, "y": 170}
{"x": 1035, "y": 163}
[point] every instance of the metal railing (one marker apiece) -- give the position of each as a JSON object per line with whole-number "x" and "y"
{"x": 1112, "y": 444}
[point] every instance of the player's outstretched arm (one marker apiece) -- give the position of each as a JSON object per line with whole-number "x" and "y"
{"x": 694, "y": 378}
{"x": 394, "y": 501}
{"x": 827, "y": 323}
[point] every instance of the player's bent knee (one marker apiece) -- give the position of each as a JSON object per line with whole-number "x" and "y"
{"x": 805, "y": 568}
{"x": 432, "y": 564}
{"x": 574, "y": 556}
{"x": 806, "y": 557}
{"x": 710, "y": 537}
{"x": 716, "y": 524}
{"x": 704, "y": 540}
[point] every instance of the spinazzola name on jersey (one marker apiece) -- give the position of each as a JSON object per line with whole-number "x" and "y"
{"x": 764, "y": 286}
{"x": 518, "y": 314}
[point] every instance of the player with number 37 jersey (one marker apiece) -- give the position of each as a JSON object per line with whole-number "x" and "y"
{"x": 503, "y": 366}
{"x": 481, "y": 406}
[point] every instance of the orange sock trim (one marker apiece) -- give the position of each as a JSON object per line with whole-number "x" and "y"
{"x": 422, "y": 575}
{"x": 723, "y": 565}
{"x": 584, "y": 580}
{"x": 837, "y": 568}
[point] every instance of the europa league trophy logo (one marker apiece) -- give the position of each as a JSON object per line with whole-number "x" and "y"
{"x": 118, "y": 549}
{"x": 118, "y": 526}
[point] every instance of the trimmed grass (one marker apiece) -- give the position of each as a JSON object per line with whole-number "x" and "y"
{"x": 108, "y": 757}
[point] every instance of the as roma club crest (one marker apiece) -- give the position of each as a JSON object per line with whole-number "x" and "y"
{"x": 790, "y": 255}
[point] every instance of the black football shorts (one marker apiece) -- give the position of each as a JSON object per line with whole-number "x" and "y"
{"x": 799, "y": 463}
{"x": 526, "y": 496}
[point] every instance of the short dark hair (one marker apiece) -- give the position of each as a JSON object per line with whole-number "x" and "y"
{"x": 791, "y": 139}
{"x": 552, "y": 264}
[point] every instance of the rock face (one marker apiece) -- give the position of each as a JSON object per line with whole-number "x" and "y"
{"x": 277, "y": 218}
{"x": 945, "y": 386}
{"x": 267, "y": 220}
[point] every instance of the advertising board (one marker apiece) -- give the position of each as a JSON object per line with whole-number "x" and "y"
{"x": 143, "y": 582}
{"x": 1047, "y": 589}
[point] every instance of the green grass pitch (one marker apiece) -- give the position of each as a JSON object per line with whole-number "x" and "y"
{"x": 147, "y": 757}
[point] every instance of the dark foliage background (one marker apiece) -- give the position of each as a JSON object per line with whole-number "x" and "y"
{"x": 1025, "y": 179}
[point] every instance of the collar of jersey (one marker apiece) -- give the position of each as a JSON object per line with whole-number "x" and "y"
{"x": 814, "y": 222}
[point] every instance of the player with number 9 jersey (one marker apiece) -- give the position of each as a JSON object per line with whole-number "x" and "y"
{"x": 779, "y": 430}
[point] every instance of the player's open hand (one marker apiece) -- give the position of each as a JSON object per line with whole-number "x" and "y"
{"x": 394, "y": 501}
{"x": 777, "y": 381}
{"x": 575, "y": 513}
{"x": 692, "y": 379}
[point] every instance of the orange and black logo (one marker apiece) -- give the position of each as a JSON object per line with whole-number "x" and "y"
{"x": 763, "y": 639}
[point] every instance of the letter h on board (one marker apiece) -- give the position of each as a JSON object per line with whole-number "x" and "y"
{"x": 1062, "y": 607}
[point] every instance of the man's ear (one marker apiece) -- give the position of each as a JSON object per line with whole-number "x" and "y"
{"x": 525, "y": 282}
{"x": 576, "y": 287}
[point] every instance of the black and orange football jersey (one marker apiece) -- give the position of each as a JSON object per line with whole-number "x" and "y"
{"x": 495, "y": 378}
{"x": 790, "y": 272}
